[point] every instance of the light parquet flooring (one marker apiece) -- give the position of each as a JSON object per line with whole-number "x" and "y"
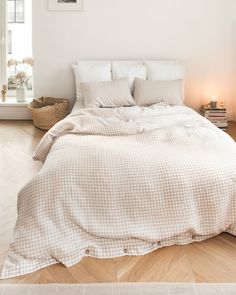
{"x": 212, "y": 261}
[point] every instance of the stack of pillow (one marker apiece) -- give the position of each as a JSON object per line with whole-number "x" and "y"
{"x": 122, "y": 84}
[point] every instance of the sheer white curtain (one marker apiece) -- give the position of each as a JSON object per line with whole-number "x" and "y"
{"x": 3, "y": 42}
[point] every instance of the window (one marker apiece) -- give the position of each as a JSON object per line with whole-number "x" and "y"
{"x": 9, "y": 42}
{"x": 16, "y": 45}
{"x": 16, "y": 11}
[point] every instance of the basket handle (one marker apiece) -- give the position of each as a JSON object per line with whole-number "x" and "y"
{"x": 40, "y": 100}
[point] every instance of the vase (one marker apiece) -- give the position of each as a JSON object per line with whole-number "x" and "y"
{"x": 21, "y": 93}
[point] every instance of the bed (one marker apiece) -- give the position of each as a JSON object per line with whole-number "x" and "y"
{"x": 124, "y": 181}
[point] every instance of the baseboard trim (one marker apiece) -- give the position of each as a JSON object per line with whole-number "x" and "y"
{"x": 15, "y": 113}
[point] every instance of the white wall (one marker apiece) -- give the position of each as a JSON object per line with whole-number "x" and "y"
{"x": 201, "y": 33}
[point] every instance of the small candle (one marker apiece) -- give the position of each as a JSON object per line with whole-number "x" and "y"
{"x": 213, "y": 102}
{"x": 213, "y": 97}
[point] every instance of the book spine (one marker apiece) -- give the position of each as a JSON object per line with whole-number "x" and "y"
{"x": 208, "y": 107}
{"x": 214, "y": 112}
{"x": 216, "y": 117}
{"x": 223, "y": 125}
{"x": 221, "y": 122}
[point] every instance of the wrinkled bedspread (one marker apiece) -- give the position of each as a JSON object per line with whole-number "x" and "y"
{"x": 124, "y": 181}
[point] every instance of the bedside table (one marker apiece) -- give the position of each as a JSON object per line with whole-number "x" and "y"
{"x": 217, "y": 115}
{"x": 231, "y": 130}
{"x": 13, "y": 110}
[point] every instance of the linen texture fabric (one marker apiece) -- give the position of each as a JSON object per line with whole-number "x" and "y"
{"x": 124, "y": 181}
{"x": 165, "y": 71}
{"x": 90, "y": 71}
{"x": 147, "y": 92}
{"x": 129, "y": 70}
{"x": 107, "y": 94}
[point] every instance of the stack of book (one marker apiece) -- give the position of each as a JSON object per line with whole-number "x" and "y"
{"x": 218, "y": 115}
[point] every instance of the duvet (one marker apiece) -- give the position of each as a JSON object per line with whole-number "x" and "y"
{"x": 124, "y": 181}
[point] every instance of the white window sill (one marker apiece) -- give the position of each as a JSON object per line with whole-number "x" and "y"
{"x": 12, "y": 102}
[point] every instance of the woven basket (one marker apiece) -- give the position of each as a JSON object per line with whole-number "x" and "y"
{"x": 47, "y": 111}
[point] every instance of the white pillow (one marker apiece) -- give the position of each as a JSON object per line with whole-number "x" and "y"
{"x": 165, "y": 71}
{"x": 129, "y": 70}
{"x": 90, "y": 72}
{"x": 107, "y": 94}
{"x": 147, "y": 92}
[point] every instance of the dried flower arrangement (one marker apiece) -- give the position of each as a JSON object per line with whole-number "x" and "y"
{"x": 20, "y": 70}
{"x": 28, "y": 61}
{"x": 21, "y": 78}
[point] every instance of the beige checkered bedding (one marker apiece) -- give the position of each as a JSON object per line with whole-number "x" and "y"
{"x": 124, "y": 181}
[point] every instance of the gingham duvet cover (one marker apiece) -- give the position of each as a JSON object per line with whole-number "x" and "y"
{"x": 124, "y": 181}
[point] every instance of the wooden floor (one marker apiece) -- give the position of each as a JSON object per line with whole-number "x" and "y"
{"x": 232, "y": 130}
{"x": 213, "y": 260}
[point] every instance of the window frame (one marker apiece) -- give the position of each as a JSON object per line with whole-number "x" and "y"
{"x": 9, "y": 41}
{"x": 15, "y": 13}
{"x": 3, "y": 43}
{"x": 4, "y": 51}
